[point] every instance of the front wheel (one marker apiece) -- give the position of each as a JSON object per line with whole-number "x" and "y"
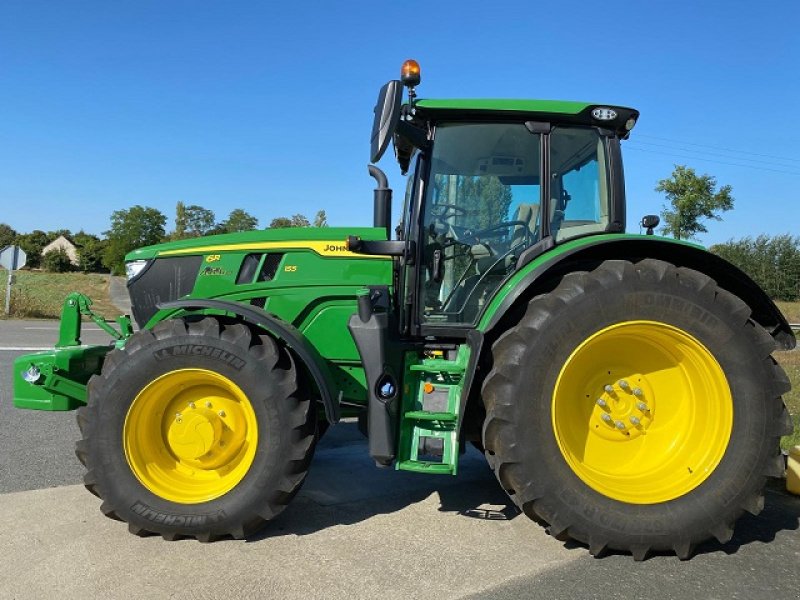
{"x": 196, "y": 429}
{"x": 636, "y": 407}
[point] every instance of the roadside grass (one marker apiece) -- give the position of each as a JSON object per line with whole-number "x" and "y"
{"x": 40, "y": 295}
{"x": 790, "y": 361}
{"x": 790, "y": 310}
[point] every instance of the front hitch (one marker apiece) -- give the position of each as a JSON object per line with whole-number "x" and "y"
{"x": 56, "y": 379}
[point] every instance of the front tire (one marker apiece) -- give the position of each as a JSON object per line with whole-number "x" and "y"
{"x": 636, "y": 408}
{"x": 196, "y": 429}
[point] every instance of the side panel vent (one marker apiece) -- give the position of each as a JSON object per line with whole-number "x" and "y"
{"x": 248, "y": 269}
{"x": 270, "y": 267}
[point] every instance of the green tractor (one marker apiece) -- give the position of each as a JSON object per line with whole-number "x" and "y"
{"x": 621, "y": 386}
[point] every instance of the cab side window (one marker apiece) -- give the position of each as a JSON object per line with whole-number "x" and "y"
{"x": 579, "y": 199}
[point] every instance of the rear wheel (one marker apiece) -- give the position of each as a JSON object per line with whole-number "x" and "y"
{"x": 196, "y": 429}
{"x": 636, "y": 408}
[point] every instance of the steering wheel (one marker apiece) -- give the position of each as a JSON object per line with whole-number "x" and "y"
{"x": 447, "y": 210}
{"x": 436, "y": 212}
{"x": 498, "y": 227}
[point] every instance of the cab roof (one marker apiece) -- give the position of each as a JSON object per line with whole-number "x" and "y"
{"x": 608, "y": 116}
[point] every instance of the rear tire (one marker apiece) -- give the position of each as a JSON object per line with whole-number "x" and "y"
{"x": 664, "y": 479}
{"x": 196, "y": 429}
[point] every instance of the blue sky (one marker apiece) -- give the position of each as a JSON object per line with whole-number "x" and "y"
{"x": 267, "y": 106}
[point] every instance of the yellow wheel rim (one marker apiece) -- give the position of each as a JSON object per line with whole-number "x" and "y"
{"x": 190, "y": 436}
{"x": 642, "y": 412}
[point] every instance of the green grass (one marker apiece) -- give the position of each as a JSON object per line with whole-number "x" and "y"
{"x": 791, "y": 310}
{"x": 38, "y": 295}
{"x": 790, "y": 361}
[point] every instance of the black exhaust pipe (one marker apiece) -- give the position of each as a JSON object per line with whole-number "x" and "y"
{"x": 382, "y": 209}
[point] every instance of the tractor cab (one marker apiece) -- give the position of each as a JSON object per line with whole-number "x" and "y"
{"x": 492, "y": 184}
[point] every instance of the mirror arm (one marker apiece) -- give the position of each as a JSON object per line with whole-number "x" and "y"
{"x": 413, "y": 134}
{"x": 382, "y": 248}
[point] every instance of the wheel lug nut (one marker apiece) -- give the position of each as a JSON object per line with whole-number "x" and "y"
{"x": 609, "y": 388}
{"x": 208, "y": 404}
{"x": 191, "y": 405}
{"x": 221, "y": 413}
{"x": 635, "y": 420}
{"x": 620, "y": 425}
{"x": 623, "y": 384}
{"x": 178, "y": 417}
{"x": 601, "y": 403}
{"x": 642, "y": 407}
{"x": 638, "y": 392}
{"x": 606, "y": 417}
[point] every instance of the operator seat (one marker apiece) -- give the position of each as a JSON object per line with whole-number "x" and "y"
{"x": 491, "y": 268}
{"x": 521, "y": 237}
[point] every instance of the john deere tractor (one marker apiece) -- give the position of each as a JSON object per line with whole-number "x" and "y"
{"x": 621, "y": 386}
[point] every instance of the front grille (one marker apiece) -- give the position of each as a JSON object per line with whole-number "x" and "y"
{"x": 164, "y": 280}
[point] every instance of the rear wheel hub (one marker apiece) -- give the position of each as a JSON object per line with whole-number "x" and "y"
{"x": 642, "y": 412}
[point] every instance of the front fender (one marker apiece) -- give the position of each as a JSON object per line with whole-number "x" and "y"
{"x": 543, "y": 273}
{"x": 280, "y": 330}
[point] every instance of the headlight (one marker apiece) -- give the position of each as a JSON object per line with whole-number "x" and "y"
{"x": 133, "y": 268}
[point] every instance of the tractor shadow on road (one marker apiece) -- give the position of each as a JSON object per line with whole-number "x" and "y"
{"x": 344, "y": 487}
{"x": 781, "y": 514}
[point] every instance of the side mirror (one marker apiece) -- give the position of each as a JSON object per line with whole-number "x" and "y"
{"x": 387, "y": 115}
{"x": 650, "y": 222}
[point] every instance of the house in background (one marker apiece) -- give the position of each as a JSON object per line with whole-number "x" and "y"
{"x": 62, "y": 243}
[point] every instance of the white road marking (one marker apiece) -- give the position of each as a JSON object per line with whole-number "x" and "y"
{"x": 23, "y": 349}
{"x": 56, "y": 328}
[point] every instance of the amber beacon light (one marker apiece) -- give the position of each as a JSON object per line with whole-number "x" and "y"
{"x": 410, "y": 73}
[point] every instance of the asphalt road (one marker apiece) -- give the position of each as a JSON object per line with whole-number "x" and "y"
{"x": 354, "y": 531}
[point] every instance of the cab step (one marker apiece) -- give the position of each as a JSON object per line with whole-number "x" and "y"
{"x": 429, "y": 414}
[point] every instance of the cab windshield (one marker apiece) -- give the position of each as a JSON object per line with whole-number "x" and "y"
{"x": 482, "y": 207}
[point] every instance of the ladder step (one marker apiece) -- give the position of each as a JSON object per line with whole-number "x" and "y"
{"x": 424, "y": 415}
{"x": 420, "y": 466}
{"x": 438, "y": 366}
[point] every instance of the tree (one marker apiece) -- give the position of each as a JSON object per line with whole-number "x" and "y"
{"x": 132, "y": 228}
{"x": 180, "y": 221}
{"x": 692, "y": 198}
{"x": 297, "y": 220}
{"x": 7, "y": 235}
{"x": 57, "y": 261}
{"x": 772, "y": 262}
{"x": 321, "y": 220}
{"x": 90, "y": 251}
{"x": 300, "y": 221}
{"x": 52, "y": 235}
{"x": 280, "y": 222}
{"x": 199, "y": 220}
{"x": 238, "y": 220}
{"x": 33, "y": 243}
{"x": 192, "y": 221}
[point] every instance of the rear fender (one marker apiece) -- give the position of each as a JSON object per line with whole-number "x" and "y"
{"x": 543, "y": 273}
